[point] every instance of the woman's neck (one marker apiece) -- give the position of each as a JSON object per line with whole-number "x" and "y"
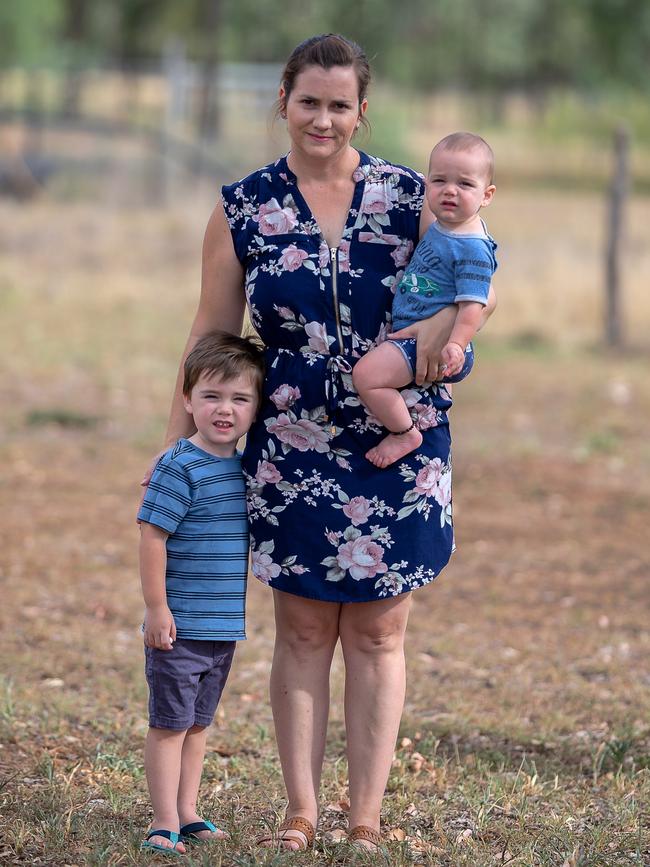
{"x": 338, "y": 168}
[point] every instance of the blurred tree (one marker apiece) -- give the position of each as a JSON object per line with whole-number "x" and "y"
{"x": 620, "y": 40}
{"x": 28, "y": 30}
{"x": 485, "y": 45}
{"x": 75, "y": 37}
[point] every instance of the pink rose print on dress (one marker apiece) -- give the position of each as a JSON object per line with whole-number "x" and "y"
{"x": 274, "y": 220}
{"x": 427, "y": 416}
{"x": 333, "y": 536}
{"x": 292, "y": 258}
{"x": 319, "y": 340}
{"x": 285, "y": 396}
{"x": 426, "y": 481}
{"x": 361, "y": 557}
{"x": 263, "y": 567}
{"x": 378, "y": 199}
{"x": 358, "y": 510}
{"x": 267, "y": 473}
{"x": 344, "y": 256}
{"x": 402, "y": 255}
{"x": 303, "y": 434}
{"x": 323, "y": 255}
{"x": 443, "y": 491}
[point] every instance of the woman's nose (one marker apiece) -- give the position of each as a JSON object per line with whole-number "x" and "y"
{"x": 322, "y": 120}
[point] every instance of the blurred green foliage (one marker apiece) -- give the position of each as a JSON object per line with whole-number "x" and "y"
{"x": 489, "y": 45}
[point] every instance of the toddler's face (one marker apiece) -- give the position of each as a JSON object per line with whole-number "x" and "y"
{"x": 223, "y": 411}
{"x": 458, "y": 185}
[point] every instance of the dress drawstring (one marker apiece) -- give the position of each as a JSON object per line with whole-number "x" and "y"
{"x": 336, "y": 366}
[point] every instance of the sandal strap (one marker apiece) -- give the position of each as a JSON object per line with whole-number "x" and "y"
{"x": 195, "y": 827}
{"x": 172, "y": 836}
{"x": 365, "y": 832}
{"x": 299, "y": 823}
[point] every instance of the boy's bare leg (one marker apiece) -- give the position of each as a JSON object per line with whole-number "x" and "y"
{"x": 162, "y": 763}
{"x": 192, "y": 757}
{"x": 377, "y": 376}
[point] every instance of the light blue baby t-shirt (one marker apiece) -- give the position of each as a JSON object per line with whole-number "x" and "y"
{"x": 445, "y": 268}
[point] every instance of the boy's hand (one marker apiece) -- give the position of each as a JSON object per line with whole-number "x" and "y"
{"x": 453, "y": 357}
{"x": 159, "y": 628}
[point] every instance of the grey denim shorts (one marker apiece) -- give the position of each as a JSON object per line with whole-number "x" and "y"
{"x": 186, "y": 682}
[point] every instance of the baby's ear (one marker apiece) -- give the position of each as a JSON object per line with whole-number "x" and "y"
{"x": 488, "y": 195}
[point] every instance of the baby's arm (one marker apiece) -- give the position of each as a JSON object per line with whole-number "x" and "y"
{"x": 159, "y": 626}
{"x": 468, "y": 321}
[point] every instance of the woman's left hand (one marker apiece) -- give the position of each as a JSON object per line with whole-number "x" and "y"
{"x": 431, "y": 334}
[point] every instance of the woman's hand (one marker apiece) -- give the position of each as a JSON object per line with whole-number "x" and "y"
{"x": 431, "y": 334}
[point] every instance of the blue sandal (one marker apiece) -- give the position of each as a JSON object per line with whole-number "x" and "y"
{"x": 190, "y": 833}
{"x": 169, "y": 835}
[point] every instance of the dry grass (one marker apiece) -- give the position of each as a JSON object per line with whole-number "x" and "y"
{"x": 525, "y": 739}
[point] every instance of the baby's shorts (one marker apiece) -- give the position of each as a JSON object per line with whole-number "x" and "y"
{"x": 186, "y": 682}
{"x": 408, "y": 347}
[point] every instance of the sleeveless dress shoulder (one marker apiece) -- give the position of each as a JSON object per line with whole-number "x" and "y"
{"x": 325, "y": 523}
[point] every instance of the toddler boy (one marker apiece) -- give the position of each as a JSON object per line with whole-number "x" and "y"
{"x": 193, "y": 568}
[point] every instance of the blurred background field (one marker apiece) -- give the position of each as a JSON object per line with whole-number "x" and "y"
{"x": 526, "y": 738}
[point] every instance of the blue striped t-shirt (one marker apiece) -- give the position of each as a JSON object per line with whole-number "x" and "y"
{"x": 200, "y": 500}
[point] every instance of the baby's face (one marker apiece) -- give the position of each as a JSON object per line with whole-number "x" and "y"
{"x": 458, "y": 185}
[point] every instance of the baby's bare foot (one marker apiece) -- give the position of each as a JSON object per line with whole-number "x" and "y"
{"x": 393, "y": 447}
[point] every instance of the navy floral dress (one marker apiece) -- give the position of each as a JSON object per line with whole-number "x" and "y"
{"x": 326, "y": 523}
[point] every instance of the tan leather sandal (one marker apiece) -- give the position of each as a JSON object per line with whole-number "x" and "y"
{"x": 365, "y": 833}
{"x": 295, "y": 823}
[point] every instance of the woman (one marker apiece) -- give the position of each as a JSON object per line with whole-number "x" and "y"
{"x": 313, "y": 244}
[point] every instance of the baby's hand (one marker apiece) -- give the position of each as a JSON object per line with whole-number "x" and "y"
{"x": 159, "y": 628}
{"x": 453, "y": 356}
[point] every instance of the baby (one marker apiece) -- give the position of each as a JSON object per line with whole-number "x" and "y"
{"x": 452, "y": 264}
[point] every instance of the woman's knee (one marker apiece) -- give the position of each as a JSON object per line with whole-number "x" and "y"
{"x": 375, "y": 630}
{"x": 375, "y": 641}
{"x": 304, "y": 627}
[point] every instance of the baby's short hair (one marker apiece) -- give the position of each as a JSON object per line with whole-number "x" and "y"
{"x": 468, "y": 141}
{"x": 227, "y": 356}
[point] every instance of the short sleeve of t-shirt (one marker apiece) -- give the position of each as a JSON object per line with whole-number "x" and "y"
{"x": 168, "y": 496}
{"x": 474, "y": 266}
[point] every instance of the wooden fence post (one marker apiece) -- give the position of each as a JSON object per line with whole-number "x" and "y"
{"x": 615, "y": 230}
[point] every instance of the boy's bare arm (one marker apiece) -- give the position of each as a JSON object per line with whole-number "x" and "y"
{"x": 159, "y": 626}
{"x": 489, "y": 308}
{"x": 468, "y": 321}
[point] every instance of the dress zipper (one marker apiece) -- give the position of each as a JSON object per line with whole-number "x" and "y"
{"x": 335, "y": 295}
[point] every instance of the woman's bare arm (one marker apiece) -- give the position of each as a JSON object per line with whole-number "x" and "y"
{"x": 221, "y": 305}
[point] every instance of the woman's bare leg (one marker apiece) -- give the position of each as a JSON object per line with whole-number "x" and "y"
{"x": 306, "y": 635}
{"x": 372, "y": 638}
{"x": 376, "y": 377}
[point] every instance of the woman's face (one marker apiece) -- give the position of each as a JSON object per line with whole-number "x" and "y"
{"x": 323, "y": 110}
